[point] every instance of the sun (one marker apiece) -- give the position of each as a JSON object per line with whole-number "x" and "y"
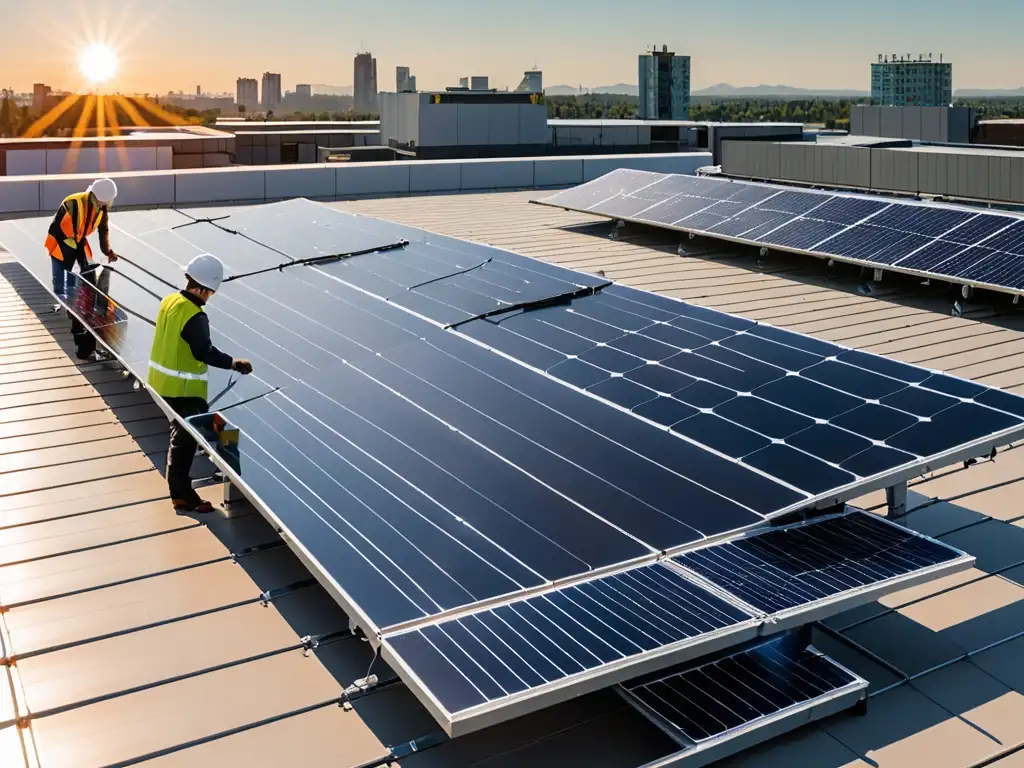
{"x": 98, "y": 63}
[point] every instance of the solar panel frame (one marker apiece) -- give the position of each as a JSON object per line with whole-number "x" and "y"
{"x": 601, "y": 676}
{"x": 961, "y": 219}
{"x": 850, "y": 688}
{"x": 843, "y": 600}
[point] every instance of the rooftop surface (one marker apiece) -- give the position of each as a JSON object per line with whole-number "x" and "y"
{"x": 140, "y": 636}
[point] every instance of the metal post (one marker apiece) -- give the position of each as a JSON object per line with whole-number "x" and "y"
{"x": 896, "y": 498}
{"x": 231, "y": 493}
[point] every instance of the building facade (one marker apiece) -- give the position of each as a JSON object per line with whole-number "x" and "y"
{"x": 664, "y": 86}
{"x": 304, "y": 91}
{"x": 403, "y": 75}
{"x": 902, "y": 81}
{"x": 271, "y": 90}
{"x": 365, "y": 88}
{"x": 532, "y": 82}
{"x": 247, "y": 93}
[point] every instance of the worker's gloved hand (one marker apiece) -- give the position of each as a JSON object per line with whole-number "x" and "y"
{"x": 244, "y": 367}
{"x": 111, "y": 257}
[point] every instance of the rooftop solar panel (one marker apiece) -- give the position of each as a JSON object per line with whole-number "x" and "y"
{"x": 460, "y": 428}
{"x": 929, "y": 239}
{"x": 711, "y": 708}
{"x": 607, "y": 629}
{"x": 806, "y": 566}
{"x": 816, "y": 416}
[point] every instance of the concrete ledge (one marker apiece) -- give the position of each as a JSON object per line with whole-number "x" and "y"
{"x": 220, "y": 186}
{"x": 203, "y": 186}
{"x": 676, "y": 163}
{"x": 498, "y": 174}
{"x": 435, "y": 176}
{"x": 557, "y": 171}
{"x": 372, "y": 179}
{"x": 315, "y": 182}
{"x": 20, "y": 196}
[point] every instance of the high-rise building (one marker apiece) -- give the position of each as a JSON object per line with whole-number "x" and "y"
{"x": 365, "y": 83}
{"x": 199, "y": 90}
{"x": 247, "y": 93}
{"x": 403, "y": 79}
{"x": 40, "y": 93}
{"x": 533, "y": 82}
{"x": 412, "y": 83}
{"x": 304, "y": 91}
{"x": 271, "y": 90}
{"x": 664, "y": 85}
{"x": 903, "y": 81}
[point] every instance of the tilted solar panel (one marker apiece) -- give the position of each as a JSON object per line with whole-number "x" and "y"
{"x": 710, "y": 708}
{"x": 605, "y": 630}
{"x": 461, "y": 428}
{"x": 975, "y": 248}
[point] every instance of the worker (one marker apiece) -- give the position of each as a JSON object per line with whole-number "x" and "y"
{"x": 182, "y": 352}
{"x": 78, "y": 216}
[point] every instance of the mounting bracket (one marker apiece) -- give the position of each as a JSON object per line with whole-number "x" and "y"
{"x": 896, "y": 499}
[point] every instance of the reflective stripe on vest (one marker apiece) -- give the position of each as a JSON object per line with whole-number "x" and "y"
{"x": 173, "y": 371}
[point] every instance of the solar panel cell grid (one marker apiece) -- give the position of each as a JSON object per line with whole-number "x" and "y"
{"x": 783, "y": 569}
{"x": 711, "y": 699}
{"x": 480, "y": 658}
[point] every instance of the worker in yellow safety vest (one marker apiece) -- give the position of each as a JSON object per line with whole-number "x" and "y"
{"x": 78, "y": 216}
{"x": 182, "y": 352}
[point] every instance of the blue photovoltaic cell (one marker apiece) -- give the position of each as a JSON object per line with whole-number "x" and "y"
{"x": 710, "y": 699}
{"x": 802, "y": 234}
{"x": 795, "y": 203}
{"x": 793, "y": 567}
{"x": 979, "y": 229}
{"x": 921, "y": 220}
{"x": 847, "y": 210}
{"x": 1010, "y": 240}
{"x": 933, "y": 257}
{"x": 900, "y": 247}
{"x": 504, "y": 651}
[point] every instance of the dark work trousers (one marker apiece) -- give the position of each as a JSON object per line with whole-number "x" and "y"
{"x": 182, "y": 449}
{"x": 63, "y": 286}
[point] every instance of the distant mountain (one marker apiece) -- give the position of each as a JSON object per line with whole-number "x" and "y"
{"x": 332, "y": 90}
{"x": 720, "y": 90}
{"x": 621, "y": 89}
{"x": 725, "y": 89}
{"x": 982, "y": 93}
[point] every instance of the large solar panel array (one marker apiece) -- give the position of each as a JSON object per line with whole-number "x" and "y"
{"x": 978, "y": 248}
{"x": 439, "y": 461}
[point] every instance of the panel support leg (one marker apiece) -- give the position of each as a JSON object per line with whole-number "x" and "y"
{"x": 896, "y": 498}
{"x": 231, "y": 493}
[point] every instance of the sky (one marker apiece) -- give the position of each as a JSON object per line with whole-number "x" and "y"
{"x": 168, "y": 45}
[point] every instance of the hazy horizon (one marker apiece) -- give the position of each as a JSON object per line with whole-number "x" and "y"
{"x": 171, "y": 46}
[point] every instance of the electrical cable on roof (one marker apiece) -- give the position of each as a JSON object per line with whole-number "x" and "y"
{"x": 325, "y": 259}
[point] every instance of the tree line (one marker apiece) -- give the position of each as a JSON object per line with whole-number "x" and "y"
{"x": 830, "y": 112}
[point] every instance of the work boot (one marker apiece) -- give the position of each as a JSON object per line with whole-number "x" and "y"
{"x": 194, "y": 505}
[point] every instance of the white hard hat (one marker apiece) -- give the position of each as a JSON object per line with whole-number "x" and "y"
{"x": 207, "y": 270}
{"x": 105, "y": 190}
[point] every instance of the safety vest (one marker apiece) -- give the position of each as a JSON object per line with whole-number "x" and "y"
{"x": 80, "y": 219}
{"x": 173, "y": 371}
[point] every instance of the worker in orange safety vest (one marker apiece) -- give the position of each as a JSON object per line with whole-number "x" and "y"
{"x": 78, "y": 216}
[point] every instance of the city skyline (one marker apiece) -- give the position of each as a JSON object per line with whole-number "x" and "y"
{"x": 170, "y": 47}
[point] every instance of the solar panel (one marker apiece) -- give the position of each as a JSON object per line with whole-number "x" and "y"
{"x": 929, "y": 239}
{"x": 805, "y": 566}
{"x": 604, "y": 630}
{"x": 710, "y": 708}
{"x": 815, "y": 416}
{"x": 460, "y": 428}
